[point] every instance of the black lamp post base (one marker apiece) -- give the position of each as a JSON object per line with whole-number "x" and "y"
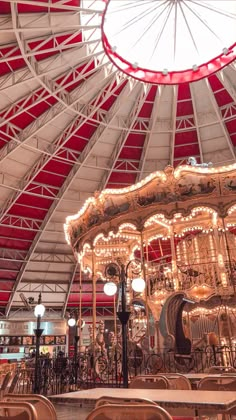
{"x": 38, "y": 332}
{"x": 37, "y": 371}
{"x": 76, "y": 340}
{"x": 124, "y": 318}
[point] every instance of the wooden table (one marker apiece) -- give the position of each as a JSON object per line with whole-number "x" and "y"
{"x": 214, "y": 401}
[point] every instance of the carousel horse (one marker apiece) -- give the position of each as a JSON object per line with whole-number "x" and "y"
{"x": 99, "y": 340}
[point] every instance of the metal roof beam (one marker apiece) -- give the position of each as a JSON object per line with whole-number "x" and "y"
{"x": 150, "y": 133}
{"x": 63, "y": 312}
{"x": 173, "y": 119}
{"x": 124, "y": 135}
{"x": 221, "y": 123}
{"x": 60, "y": 4}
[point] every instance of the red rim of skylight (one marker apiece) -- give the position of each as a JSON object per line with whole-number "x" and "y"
{"x": 161, "y": 77}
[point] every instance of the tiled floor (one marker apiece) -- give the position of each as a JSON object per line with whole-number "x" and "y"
{"x": 71, "y": 412}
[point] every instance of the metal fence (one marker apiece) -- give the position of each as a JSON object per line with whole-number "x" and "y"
{"x": 61, "y": 375}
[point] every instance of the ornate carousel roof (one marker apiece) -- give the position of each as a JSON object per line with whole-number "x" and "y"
{"x": 80, "y": 113}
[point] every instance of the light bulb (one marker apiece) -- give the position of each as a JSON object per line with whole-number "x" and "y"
{"x": 71, "y": 322}
{"x": 39, "y": 310}
{"x": 138, "y": 285}
{"x": 110, "y": 288}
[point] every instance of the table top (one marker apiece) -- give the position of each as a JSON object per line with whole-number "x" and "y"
{"x": 195, "y": 399}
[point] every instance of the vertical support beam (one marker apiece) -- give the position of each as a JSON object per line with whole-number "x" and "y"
{"x": 63, "y": 312}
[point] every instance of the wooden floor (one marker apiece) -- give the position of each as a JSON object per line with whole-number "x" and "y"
{"x": 71, "y": 412}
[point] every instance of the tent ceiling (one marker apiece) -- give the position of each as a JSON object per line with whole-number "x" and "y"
{"x": 71, "y": 124}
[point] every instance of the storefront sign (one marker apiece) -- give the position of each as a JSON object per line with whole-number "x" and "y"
{"x": 27, "y": 328}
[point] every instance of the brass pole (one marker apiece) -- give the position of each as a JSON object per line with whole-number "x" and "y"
{"x": 80, "y": 304}
{"x": 94, "y": 300}
{"x": 145, "y": 278}
{"x": 173, "y": 259}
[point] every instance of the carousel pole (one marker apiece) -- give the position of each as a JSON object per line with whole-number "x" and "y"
{"x": 143, "y": 267}
{"x": 94, "y": 302}
{"x": 173, "y": 259}
{"x": 80, "y": 307}
{"x": 231, "y": 279}
{"x": 221, "y": 271}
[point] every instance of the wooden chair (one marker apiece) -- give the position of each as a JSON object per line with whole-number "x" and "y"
{"x": 44, "y": 408}
{"x": 6, "y": 367}
{"x": 118, "y": 400}
{"x": 13, "y": 383}
{"x": 5, "y": 383}
{"x": 129, "y": 412}
{"x": 221, "y": 369}
{"x": 222, "y": 383}
{"x": 17, "y": 410}
{"x": 150, "y": 382}
{"x": 178, "y": 381}
{"x": 26, "y": 381}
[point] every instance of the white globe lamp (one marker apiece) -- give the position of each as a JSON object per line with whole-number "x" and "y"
{"x": 138, "y": 285}
{"x": 110, "y": 288}
{"x": 39, "y": 310}
{"x": 71, "y": 322}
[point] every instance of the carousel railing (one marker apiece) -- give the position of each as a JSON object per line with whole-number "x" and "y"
{"x": 105, "y": 370}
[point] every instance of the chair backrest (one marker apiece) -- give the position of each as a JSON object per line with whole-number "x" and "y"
{"x": 19, "y": 410}
{"x": 222, "y": 383}
{"x": 44, "y": 407}
{"x": 129, "y": 412}
{"x": 13, "y": 384}
{"x": 118, "y": 400}
{"x": 150, "y": 382}
{"x": 6, "y": 381}
{"x": 178, "y": 381}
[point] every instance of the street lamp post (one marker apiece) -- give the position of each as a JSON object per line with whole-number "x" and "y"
{"x": 38, "y": 312}
{"x": 138, "y": 284}
{"x": 73, "y": 323}
{"x": 123, "y": 316}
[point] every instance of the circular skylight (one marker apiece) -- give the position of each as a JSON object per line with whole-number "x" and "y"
{"x": 170, "y": 41}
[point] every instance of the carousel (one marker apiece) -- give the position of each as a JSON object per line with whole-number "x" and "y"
{"x": 165, "y": 249}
